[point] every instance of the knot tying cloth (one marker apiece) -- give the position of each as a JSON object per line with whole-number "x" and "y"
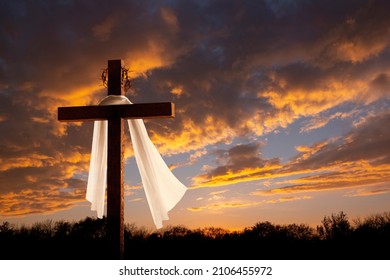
{"x": 162, "y": 189}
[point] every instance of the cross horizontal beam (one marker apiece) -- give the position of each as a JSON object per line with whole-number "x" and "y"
{"x": 125, "y": 111}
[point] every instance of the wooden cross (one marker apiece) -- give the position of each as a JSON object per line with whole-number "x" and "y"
{"x": 115, "y": 114}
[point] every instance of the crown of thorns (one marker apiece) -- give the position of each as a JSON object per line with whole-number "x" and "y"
{"x": 125, "y": 81}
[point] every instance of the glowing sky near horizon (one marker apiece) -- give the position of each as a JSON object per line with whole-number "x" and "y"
{"x": 282, "y": 107}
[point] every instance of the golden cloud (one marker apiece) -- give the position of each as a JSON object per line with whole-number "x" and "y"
{"x": 373, "y": 190}
{"x": 306, "y": 151}
{"x": 358, "y": 50}
{"x": 232, "y": 177}
{"x": 311, "y": 102}
{"x": 218, "y": 192}
{"x": 178, "y": 90}
{"x": 38, "y": 183}
{"x": 138, "y": 199}
{"x": 221, "y": 206}
{"x": 31, "y": 201}
{"x": 241, "y": 204}
{"x": 33, "y": 160}
{"x": 193, "y": 136}
{"x": 357, "y": 160}
{"x": 152, "y": 55}
{"x": 77, "y": 96}
{"x": 338, "y": 176}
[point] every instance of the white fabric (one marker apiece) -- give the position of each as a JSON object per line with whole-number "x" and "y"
{"x": 163, "y": 190}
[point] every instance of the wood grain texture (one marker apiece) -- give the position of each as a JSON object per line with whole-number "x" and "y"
{"x": 127, "y": 111}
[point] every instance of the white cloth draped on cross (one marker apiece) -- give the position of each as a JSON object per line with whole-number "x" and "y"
{"x": 163, "y": 190}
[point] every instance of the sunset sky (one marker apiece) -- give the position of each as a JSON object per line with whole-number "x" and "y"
{"x": 282, "y": 107}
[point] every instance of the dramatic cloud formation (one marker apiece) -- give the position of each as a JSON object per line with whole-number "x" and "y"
{"x": 313, "y": 76}
{"x": 361, "y": 158}
{"x": 240, "y": 163}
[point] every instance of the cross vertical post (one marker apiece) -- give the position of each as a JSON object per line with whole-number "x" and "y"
{"x": 115, "y": 192}
{"x": 114, "y": 76}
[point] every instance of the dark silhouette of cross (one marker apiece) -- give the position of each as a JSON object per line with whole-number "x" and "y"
{"x": 115, "y": 114}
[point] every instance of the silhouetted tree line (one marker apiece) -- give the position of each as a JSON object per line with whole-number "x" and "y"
{"x": 336, "y": 238}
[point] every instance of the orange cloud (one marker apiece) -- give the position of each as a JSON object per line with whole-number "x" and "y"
{"x": 197, "y": 154}
{"x": 373, "y": 190}
{"x": 178, "y": 90}
{"x": 338, "y": 176}
{"x": 312, "y": 101}
{"x": 130, "y": 190}
{"x": 29, "y": 201}
{"x": 358, "y": 50}
{"x": 306, "y": 152}
{"x": 360, "y": 159}
{"x": 138, "y": 199}
{"x": 218, "y": 192}
{"x": 152, "y": 55}
{"x": 36, "y": 160}
{"x": 39, "y": 183}
{"x": 287, "y": 199}
{"x": 49, "y": 101}
{"x": 33, "y": 160}
{"x": 240, "y": 204}
{"x": 193, "y": 136}
{"x": 320, "y": 121}
{"x": 232, "y": 177}
{"x": 221, "y": 206}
